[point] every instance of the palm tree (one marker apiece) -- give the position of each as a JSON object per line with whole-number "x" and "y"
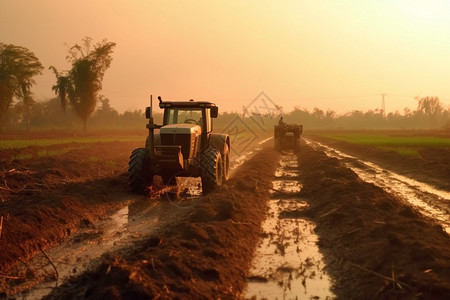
{"x": 18, "y": 66}
{"x": 86, "y": 76}
{"x": 62, "y": 87}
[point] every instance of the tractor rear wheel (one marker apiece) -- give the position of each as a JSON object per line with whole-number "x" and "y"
{"x": 277, "y": 144}
{"x": 226, "y": 163}
{"x": 140, "y": 175}
{"x": 297, "y": 145}
{"x": 212, "y": 170}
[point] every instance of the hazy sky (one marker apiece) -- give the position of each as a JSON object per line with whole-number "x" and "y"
{"x": 340, "y": 55}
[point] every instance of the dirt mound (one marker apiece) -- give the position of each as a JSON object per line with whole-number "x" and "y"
{"x": 45, "y": 199}
{"x": 375, "y": 246}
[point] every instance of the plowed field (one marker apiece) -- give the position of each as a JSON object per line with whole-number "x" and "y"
{"x": 375, "y": 246}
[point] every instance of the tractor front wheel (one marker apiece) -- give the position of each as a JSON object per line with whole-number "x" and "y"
{"x": 212, "y": 170}
{"x": 140, "y": 175}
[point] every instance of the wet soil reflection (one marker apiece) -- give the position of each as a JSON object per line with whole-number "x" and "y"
{"x": 288, "y": 264}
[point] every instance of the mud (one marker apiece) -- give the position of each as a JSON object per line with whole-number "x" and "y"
{"x": 430, "y": 201}
{"x": 45, "y": 200}
{"x": 116, "y": 234}
{"x": 206, "y": 254}
{"x": 373, "y": 244}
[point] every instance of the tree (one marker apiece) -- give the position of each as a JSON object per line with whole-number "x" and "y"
{"x": 105, "y": 116}
{"x": 318, "y": 113}
{"x": 84, "y": 81}
{"x": 278, "y": 110}
{"x": 61, "y": 87}
{"x": 430, "y": 106}
{"x": 18, "y": 66}
{"x": 105, "y": 108}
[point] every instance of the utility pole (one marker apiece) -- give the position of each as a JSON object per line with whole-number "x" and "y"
{"x": 383, "y": 108}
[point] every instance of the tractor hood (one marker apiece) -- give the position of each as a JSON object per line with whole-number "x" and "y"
{"x": 184, "y": 135}
{"x": 190, "y": 129}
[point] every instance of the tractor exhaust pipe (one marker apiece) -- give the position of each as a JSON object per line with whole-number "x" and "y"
{"x": 151, "y": 128}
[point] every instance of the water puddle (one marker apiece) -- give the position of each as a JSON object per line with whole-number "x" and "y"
{"x": 126, "y": 227}
{"x": 430, "y": 201}
{"x": 287, "y": 263}
{"x": 236, "y": 161}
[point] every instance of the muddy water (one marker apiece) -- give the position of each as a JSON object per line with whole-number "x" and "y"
{"x": 430, "y": 201}
{"x": 288, "y": 264}
{"x": 127, "y": 226}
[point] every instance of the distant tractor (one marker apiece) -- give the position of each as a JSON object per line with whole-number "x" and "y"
{"x": 287, "y": 136}
{"x": 184, "y": 146}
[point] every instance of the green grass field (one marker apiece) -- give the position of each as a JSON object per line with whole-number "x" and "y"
{"x": 404, "y": 144}
{"x": 63, "y": 145}
{"x": 7, "y": 144}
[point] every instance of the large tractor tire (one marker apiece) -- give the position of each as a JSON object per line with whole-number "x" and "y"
{"x": 297, "y": 145}
{"x": 212, "y": 170}
{"x": 140, "y": 174}
{"x": 277, "y": 144}
{"x": 226, "y": 163}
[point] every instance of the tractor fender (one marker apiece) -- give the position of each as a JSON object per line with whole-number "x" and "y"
{"x": 218, "y": 141}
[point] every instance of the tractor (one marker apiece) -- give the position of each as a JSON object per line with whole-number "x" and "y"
{"x": 183, "y": 146}
{"x": 287, "y": 136}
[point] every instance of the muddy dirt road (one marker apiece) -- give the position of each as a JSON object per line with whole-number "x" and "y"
{"x": 369, "y": 242}
{"x": 287, "y": 263}
{"x": 431, "y": 201}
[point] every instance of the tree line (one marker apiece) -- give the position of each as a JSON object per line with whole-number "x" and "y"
{"x": 430, "y": 114}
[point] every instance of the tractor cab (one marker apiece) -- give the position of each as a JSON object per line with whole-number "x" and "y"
{"x": 188, "y": 117}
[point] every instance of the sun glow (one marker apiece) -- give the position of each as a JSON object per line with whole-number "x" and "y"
{"x": 425, "y": 10}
